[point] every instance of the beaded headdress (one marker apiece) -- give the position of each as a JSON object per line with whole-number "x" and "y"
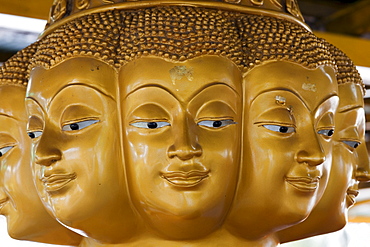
{"x": 64, "y": 11}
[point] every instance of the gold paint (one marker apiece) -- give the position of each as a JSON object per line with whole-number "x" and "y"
{"x": 82, "y": 4}
{"x": 58, "y": 10}
{"x": 183, "y": 171}
{"x": 27, "y": 218}
{"x": 295, "y": 181}
{"x": 77, "y": 148}
{"x": 257, "y": 2}
{"x": 175, "y": 110}
{"x": 349, "y": 166}
{"x": 291, "y": 13}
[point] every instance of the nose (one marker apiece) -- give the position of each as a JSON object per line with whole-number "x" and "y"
{"x": 46, "y": 152}
{"x": 363, "y": 166}
{"x": 185, "y": 145}
{"x": 311, "y": 151}
{"x": 47, "y": 159}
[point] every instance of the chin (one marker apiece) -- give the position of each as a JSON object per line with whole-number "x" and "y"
{"x": 22, "y": 230}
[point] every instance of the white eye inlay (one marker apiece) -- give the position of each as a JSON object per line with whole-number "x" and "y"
{"x": 79, "y": 125}
{"x": 34, "y": 134}
{"x": 352, "y": 144}
{"x": 326, "y": 132}
{"x": 4, "y": 150}
{"x": 151, "y": 125}
{"x": 216, "y": 123}
{"x": 279, "y": 128}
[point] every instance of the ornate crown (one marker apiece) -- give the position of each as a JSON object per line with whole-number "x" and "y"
{"x": 63, "y": 11}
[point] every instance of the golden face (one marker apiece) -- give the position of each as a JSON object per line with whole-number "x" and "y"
{"x": 349, "y": 155}
{"x": 182, "y": 129}
{"x": 26, "y": 216}
{"x": 289, "y": 123}
{"x": 78, "y": 170}
{"x": 350, "y": 163}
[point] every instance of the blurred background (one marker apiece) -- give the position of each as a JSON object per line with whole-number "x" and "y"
{"x": 344, "y": 23}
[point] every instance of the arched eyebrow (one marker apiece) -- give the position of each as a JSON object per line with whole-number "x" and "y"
{"x": 9, "y": 116}
{"x": 214, "y": 84}
{"x": 151, "y": 85}
{"x": 176, "y": 97}
{"x": 282, "y": 89}
{"x": 84, "y": 85}
{"x": 37, "y": 103}
{"x": 349, "y": 108}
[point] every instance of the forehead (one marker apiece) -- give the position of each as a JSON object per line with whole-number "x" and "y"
{"x": 350, "y": 97}
{"x": 312, "y": 86}
{"x": 182, "y": 79}
{"x": 44, "y": 83}
{"x": 12, "y": 101}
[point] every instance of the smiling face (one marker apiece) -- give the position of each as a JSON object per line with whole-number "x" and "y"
{"x": 26, "y": 216}
{"x": 78, "y": 169}
{"x": 289, "y": 121}
{"x": 350, "y": 163}
{"x": 182, "y": 144}
{"x": 350, "y": 157}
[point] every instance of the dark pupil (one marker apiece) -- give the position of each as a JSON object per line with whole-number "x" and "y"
{"x": 74, "y": 126}
{"x": 283, "y": 129}
{"x": 1, "y": 154}
{"x": 330, "y": 132}
{"x": 152, "y": 125}
{"x": 31, "y": 135}
{"x": 217, "y": 124}
{"x": 355, "y": 146}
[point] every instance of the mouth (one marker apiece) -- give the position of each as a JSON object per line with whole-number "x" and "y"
{"x": 304, "y": 184}
{"x": 351, "y": 196}
{"x": 185, "y": 179}
{"x": 56, "y": 182}
{"x": 3, "y": 202}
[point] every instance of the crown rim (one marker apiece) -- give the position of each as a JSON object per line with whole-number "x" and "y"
{"x": 188, "y": 3}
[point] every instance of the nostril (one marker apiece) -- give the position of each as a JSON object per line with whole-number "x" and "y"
{"x": 313, "y": 159}
{"x": 47, "y": 161}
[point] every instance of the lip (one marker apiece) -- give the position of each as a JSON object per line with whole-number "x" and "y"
{"x": 3, "y": 202}
{"x": 304, "y": 184}
{"x": 350, "y": 196}
{"x": 185, "y": 179}
{"x": 56, "y": 182}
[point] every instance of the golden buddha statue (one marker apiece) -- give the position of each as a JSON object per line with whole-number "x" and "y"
{"x": 350, "y": 157}
{"x": 290, "y": 99}
{"x": 27, "y": 218}
{"x": 166, "y": 119}
{"x": 78, "y": 170}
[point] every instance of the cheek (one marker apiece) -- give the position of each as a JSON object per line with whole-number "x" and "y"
{"x": 145, "y": 147}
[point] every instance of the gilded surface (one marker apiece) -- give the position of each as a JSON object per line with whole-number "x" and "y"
{"x": 27, "y": 218}
{"x": 183, "y": 123}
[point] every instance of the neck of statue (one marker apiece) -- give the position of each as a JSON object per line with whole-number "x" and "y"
{"x": 220, "y": 237}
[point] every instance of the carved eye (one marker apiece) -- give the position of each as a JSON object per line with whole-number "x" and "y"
{"x": 326, "y": 132}
{"x": 151, "y": 125}
{"x": 79, "y": 125}
{"x": 4, "y": 150}
{"x": 279, "y": 128}
{"x": 352, "y": 144}
{"x": 34, "y": 134}
{"x": 216, "y": 123}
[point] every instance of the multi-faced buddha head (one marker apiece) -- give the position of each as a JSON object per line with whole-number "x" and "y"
{"x": 350, "y": 159}
{"x": 75, "y": 128}
{"x": 181, "y": 100}
{"x": 27, "y": 219}
{"x": 290, "y": 97}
